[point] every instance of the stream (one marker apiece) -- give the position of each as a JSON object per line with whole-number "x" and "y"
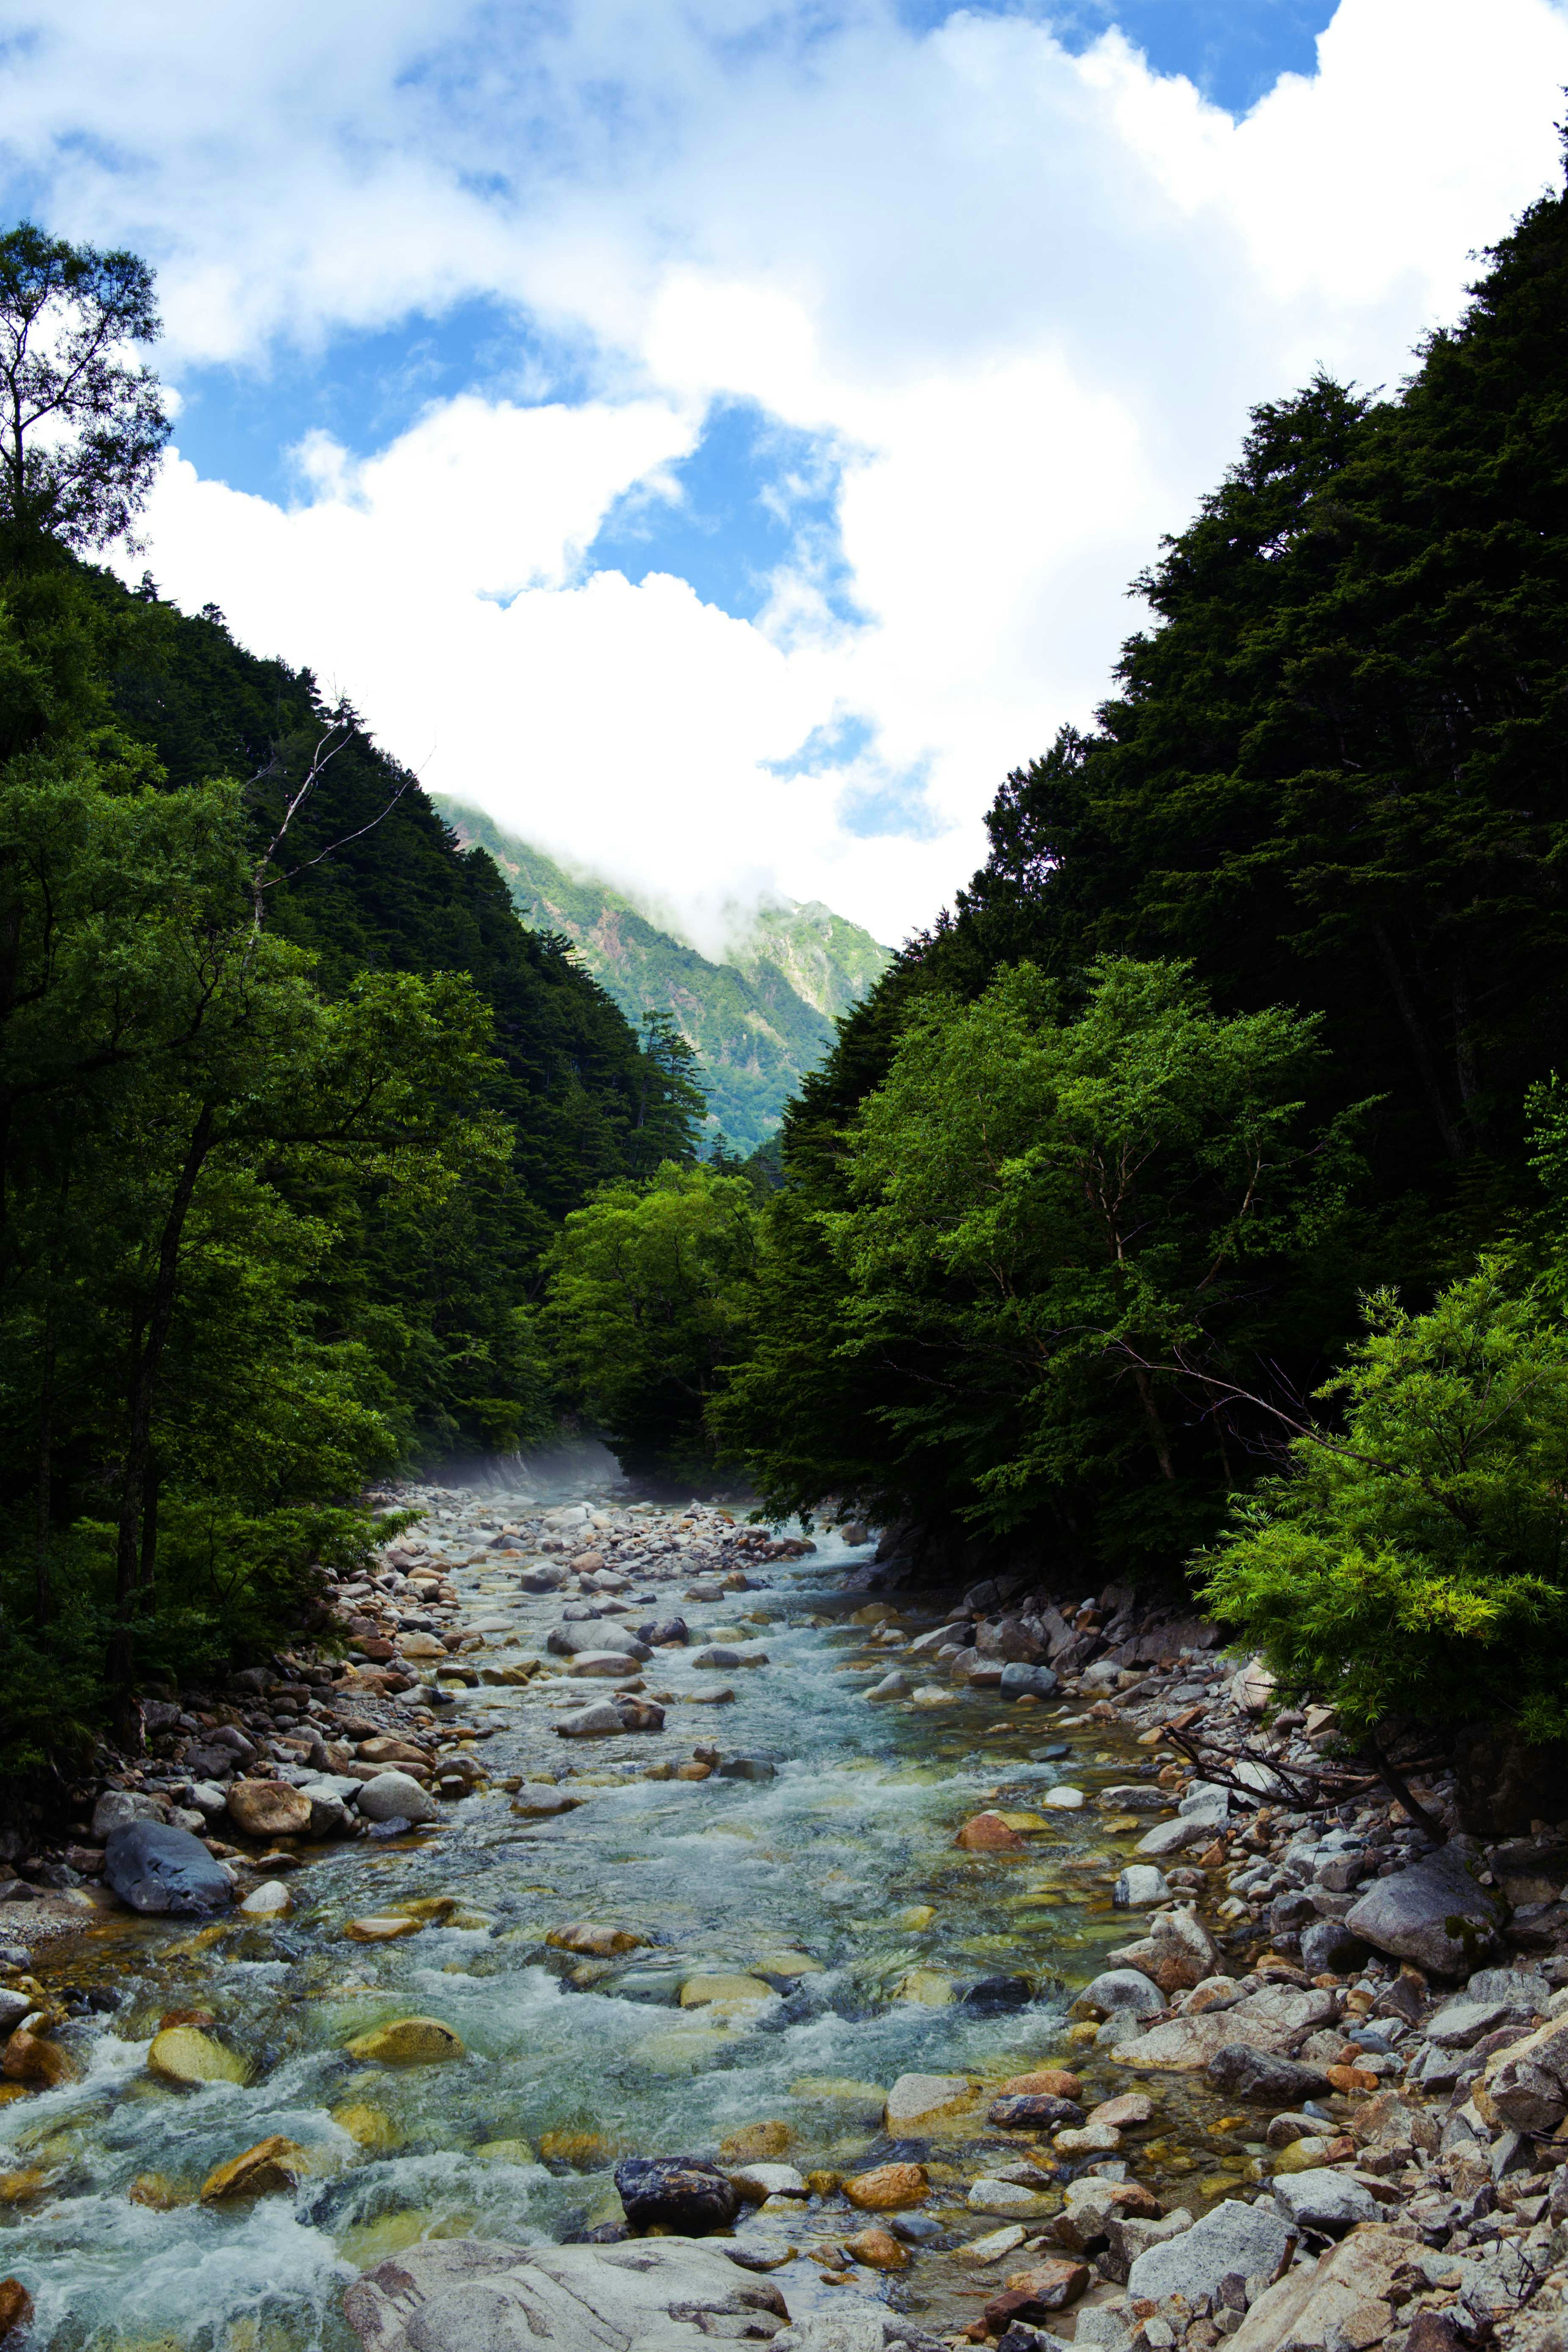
{"x": 834, "y": 1885}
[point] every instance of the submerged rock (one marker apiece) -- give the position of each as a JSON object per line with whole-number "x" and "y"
{"x": 156, "y": 1868}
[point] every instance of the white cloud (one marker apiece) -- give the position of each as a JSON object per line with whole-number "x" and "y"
{"x": 1029, "y": 297}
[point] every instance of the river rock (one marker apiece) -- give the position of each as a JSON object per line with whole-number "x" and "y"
{"x": 116, "y": 1807}
{"x": 1135, "y": 1797}
{"x": 1119, "y": 1989}
{"x": 893, "y": 1685}
{"x": 1019, "y": 1681}
{"x": 1045, "y": 2082}
{"x": 917, "y": 2101}
{"x": 273, "y": 2164}
{"x": 1269, "y": 2020}
{"x": 1329, "y": 1948}
{"x": 1408, "y": 1916}
{"x": 394, "y": 1796}
{"x": 1010, "y": 2200}
{"x": 32, "y": 2057}
{"x": 1178, "y": 1952}
{"x": 1171, "y": 1837}
{"x": 1253, "y": 1687}
{"x": 870, "y": 2329}
{"x": 684, "y": 2193}
{"x": 988, "y": 1833}
{"x": 384, "y": 1748}
{"x": 602, "y": 1720}
{"x": 183, "y": 2054}
{"x": 597, "y": 1634}
{"x": 1244, "y": 2073}
{"x": 1248, "y": 2240}
{"x": 596, "y": 1940}
{"x": 539, "y": 1801}
{"x": 1527, "y": 2086}
{"x": 155, "y": 1868}
{"x": 1033, "y": 2112}
{"x": 1064, "y": 1798}
{"x": 1324, "y": 2201}
{"x": 606, "y": 1665}
{"x": 15, "y": 2309}
{"x": 269, "y": 1809}
{"x": 407, "y": 2041}
{"x": 887, "y": 2187}
{"x": 1341, "y": 2300}
{"x": 271, "y": 1900}
{"x": 877, "y": 2250}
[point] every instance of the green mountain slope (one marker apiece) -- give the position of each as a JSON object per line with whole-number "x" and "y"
{"x": 757, "y": 1023}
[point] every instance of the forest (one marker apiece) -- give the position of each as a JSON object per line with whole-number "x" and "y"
{"x": 1190, "y": 1201}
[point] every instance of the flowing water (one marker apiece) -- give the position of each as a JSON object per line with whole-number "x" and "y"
{"x": 837, "y": 1881}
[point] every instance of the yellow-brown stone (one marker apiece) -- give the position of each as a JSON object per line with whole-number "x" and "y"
{"x": 887, "y": 2187}
{"x": 183, "y": 2054}
{"x": 407, "y": 2041}
{"x": 877, "y": 2250}
{"x": 273, "y": 2164}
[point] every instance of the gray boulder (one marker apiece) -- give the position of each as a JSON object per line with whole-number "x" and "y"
{"x": 155, "y": 1868}
{"x": 462, "y": 2295}
{"x": 1019, "y": 1681}
{"x": 1433, "y": 1914}
{"x": 590, "y": 1722}
{"x": 868, "y": 2330}
{"x": 394, "y": 1796}
{"x": 1459, "y": 2023}
{"x": 1329, "y": 1949}
{"x": 118, "y": 1806}
{"x": 1325, "y": 2201}
{"x": 1250, "y": 2239}
{"x": 1126, "y": 1990}
{"x": 597, "y": 1634}
{"x": 1135, "y": 1797}
{"x": 1248, "y": 2073}
{"x": 1140, "y": 1885}
{"x": 1169, "y": 1837}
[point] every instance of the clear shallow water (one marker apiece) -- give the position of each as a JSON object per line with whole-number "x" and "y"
{"x": 582, "y": 2060}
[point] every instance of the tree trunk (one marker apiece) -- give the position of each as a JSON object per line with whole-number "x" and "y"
{"x": 42, "y": 1599}
{"x": 129, "y": 1544}
{"x": 1156, "y": 1426}
{"x": 1453, "y": 1143}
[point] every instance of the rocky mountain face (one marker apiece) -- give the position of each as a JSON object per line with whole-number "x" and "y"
{"x": 757, "y": 1021}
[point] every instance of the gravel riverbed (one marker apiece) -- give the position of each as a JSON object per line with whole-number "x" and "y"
{"x": 1004, "y": 1967}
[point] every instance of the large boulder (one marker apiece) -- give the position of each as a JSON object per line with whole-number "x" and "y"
{"x": 1270, "y": 2020}
{"x": 155, "y": 1868}
{"x": 684, "y": 2193}
{"x": 465, "y": 2294}
{"x": 1247, "y": 2240}
{"x": 1341, "y": 2300}
{"x": 1433, "y": 1914}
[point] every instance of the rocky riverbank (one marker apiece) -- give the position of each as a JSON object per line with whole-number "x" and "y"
{"x": 1117, "y": 2010}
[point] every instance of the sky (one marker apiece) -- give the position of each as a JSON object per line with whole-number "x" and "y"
{"x": 717, "y": 437}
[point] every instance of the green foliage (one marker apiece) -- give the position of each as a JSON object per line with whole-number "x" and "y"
{"x": 1067, "y": 1221}
{"x": 1412, "y": 1565}
{"x": 81, "y": 427}
{"x": 1333, "y": 777}
{"x": 650, "y": 1295}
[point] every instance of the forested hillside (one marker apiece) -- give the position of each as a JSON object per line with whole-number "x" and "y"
{"x": 291, "y": 1105}
{"x": 756, "y": 1022}
{"x": 1326, "y": 801}
{"x": 1193, "y": 1195}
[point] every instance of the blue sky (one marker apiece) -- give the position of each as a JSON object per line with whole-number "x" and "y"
{"x": 717, "y": 434}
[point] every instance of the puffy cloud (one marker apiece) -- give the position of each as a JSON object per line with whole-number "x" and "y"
{"x": 1024, "y": 296}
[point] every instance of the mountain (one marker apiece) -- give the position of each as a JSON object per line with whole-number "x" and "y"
{"x": 757, "y": 1023}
